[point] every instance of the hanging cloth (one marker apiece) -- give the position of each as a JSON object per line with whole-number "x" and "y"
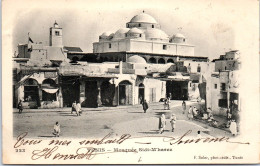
{"x": 51, "y": 90}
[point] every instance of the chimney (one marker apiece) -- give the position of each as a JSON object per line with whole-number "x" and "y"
{"x": 120, "y": 67}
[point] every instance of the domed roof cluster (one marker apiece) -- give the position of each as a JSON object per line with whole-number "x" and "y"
{"x": 136, "y": 59}
{"x": 147, "y": 26}
{"x": 143, "y": 18}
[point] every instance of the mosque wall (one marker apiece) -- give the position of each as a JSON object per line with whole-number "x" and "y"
{"x": 185, "y": 50}
{"x": 111, "y": 46}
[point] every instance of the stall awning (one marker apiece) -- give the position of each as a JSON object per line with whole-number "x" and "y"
{"x": 50, "y": 90}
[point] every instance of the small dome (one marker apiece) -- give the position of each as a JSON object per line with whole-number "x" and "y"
{"x": 177, "y": 38}
{"x": 143, "y": 17}
{"x": 135, "y": 30}
{"x": 136, "y": 59}
{"x": 106, "y": 34}
{"x": 179, "y": 35}
{"x": 153, "y": 33}
{"x": 122, "y": 30}
{"x": 120, "y": 33}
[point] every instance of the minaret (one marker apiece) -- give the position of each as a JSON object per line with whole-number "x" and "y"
{"x": 56, "y": 36}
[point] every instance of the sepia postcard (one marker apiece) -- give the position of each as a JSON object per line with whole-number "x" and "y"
{"x": 130, "y": 82}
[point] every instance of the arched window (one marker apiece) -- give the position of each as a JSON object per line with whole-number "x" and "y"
{"x": 152, "y": 60}
{"x": 161, "y": 61}
{"x": 139, "y": 25}
{"x": 31, "y": 92}
{"x": 170, "y": 61}
{"x": 152, "y": 26}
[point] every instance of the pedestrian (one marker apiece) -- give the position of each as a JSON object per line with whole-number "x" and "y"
{"x": 170, "y": 96}
{"x": 20, "y": 107}
{"x": 78, "y": 109}
{"x": 233, "y": 127}
{"x": 162, "y": 124}
{"x": 56, "y": 129}
{"x": 190, "y": 116}
{"x": 229, "y": 115}
{"x": 145, "y": 106}
{"x": 173, "y": 121}
{"x": 167, "y": 104}
{"x": 73, "y": 107}
{"x": 183, "y": 107}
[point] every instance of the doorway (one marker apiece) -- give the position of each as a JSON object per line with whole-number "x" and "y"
{"x": 125, "y": 93}
{"x": 91, "y": 92}
{"x": 70, "y": 90}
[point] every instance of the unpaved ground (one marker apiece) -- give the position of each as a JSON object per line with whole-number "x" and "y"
{"x": 97, "y": 122}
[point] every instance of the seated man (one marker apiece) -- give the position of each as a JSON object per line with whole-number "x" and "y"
{"x": 210, "y": 117}
{"x": 195, "y": 112}
{"x": 73, "y": 107}
{"x": 56, "y": 129}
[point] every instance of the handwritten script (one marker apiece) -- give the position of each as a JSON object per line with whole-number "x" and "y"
{"x": 88, "y": 152}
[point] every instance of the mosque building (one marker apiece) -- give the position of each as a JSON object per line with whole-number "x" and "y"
{"x": 144, "y": 37}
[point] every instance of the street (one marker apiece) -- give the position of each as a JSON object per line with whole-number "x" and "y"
{"x": 98, "y": 122}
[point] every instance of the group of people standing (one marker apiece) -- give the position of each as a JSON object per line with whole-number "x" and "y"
{"x": 162, "y": 123}
{"x": 76, "y": 107}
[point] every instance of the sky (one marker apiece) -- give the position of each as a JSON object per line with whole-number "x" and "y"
{"x": 214, "y": 27}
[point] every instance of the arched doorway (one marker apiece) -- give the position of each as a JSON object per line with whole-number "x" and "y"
{"x": 31, "y": 93}
{"x": 107, "y": 93}
{"x": 49, "y": 90}
{"x": 141, "y": 96}
{"x": 161, "y": 61}
{"x": 125, "y": 93}
{"x": 170, "y": 61}
{"x": 152, "y": 60}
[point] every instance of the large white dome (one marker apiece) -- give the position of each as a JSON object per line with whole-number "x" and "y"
{"x": 143, "y": 18}
{"x": 136, "y": 59}
{"x": 154, "y": 33}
